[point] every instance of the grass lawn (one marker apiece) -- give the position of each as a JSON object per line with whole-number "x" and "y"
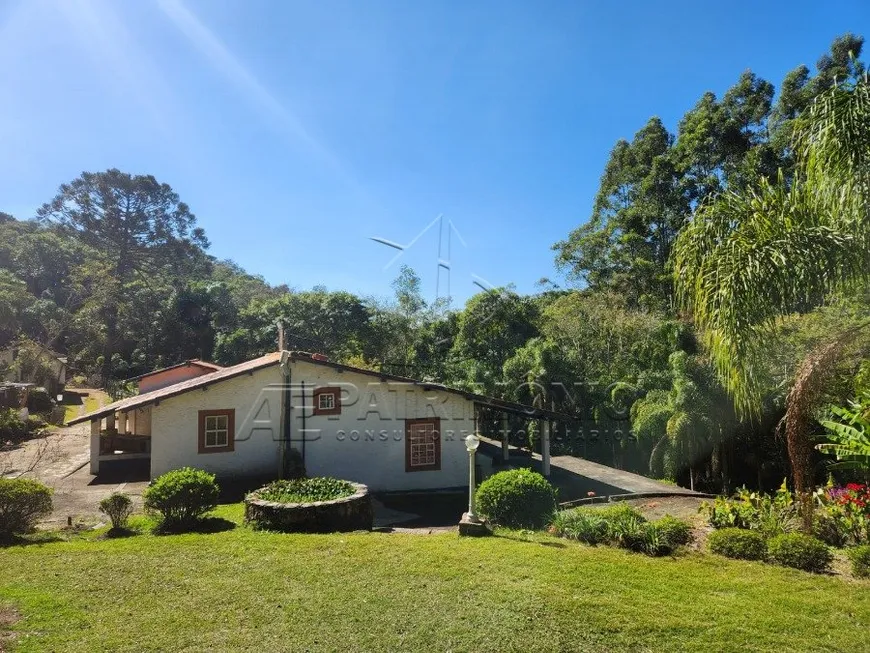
{"x": 245, "y": 590}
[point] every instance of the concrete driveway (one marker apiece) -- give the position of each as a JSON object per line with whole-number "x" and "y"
{"x": 61, "y": 462}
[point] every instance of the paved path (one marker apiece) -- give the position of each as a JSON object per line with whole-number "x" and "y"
{"x": 577, "y": 477}
{"x": 62, "y": 463}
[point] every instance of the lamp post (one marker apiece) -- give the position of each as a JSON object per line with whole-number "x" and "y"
{"x": 471, "y": 444}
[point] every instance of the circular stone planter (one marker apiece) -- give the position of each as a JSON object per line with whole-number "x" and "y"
{"x": 353, "y": 513}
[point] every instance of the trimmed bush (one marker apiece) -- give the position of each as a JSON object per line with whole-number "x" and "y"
{"x": 738, "y": 543}
{"x": 518, "y": 498}
{"x": 860, "y": 557}
{"x": 800, "y": 551}
{"x": 117, "y": 507}
{"x": 182, "y": 496}
{"x": 675, "y": 531}
{"x": 306, "y": 490}
{"x": 22, "y": 502}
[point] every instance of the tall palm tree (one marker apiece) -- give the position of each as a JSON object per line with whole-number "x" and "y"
{"x": 750, "y": 257}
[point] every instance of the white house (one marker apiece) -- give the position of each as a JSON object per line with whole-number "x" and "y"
{"x": 256, "y": 418}
{"x": 52, "y": 375}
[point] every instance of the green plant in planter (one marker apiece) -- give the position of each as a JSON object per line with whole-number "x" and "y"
{"x": 306, "y": 490}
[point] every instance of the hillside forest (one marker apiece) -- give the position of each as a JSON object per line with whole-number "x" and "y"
{"x": 635, "y": 343}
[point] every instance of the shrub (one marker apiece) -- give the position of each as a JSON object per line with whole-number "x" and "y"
{"x": 35, "y": 424}
{"x": 843, "y": 514}
{"x": 800, "y": 551}
{"x": 621, "y": 525}
{"x": 306, "y": 490}
{"x": 22, "y": 502}
{"x": 12, "y": 427}
{"x": 860, "y": 557}
{"x": 738, "y": 543}
{"x": 182, "y": 496}
{"x": 676, "y": 531}
{"x": 581, "y": 524}
{"x": 630, "y": 530}
{"x": 769, "y": 514}
{"x": 117, "y": 507}
{"x": 39, "y": 401}
{"x": 518, "y": 498}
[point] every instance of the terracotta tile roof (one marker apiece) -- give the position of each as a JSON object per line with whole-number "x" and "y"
{"x": 275, "y": 357}
{"x": 221, "y": 374}
{"x": 195, "y": 362}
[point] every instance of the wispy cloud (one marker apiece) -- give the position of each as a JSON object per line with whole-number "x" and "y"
{"x": 228, "y": 65}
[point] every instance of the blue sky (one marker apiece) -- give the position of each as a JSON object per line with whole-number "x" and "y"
{"x": 297, "y": 131}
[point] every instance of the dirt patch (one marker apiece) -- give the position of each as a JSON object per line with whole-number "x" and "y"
{"x": 683, "y": 507}
{"x": 9, "y": 616}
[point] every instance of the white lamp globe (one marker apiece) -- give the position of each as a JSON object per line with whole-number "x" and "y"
{"x": 472, "y": 442}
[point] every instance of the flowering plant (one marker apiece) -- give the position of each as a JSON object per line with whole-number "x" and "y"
{"x": 845, "y": 513}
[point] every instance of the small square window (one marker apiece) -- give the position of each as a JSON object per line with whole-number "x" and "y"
{"x": 327, "y": 401}
{"x": 216, "y": 430}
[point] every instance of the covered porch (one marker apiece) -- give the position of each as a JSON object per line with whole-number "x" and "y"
{"x": 120, "y": 435}
{"x": 542, "y": 418}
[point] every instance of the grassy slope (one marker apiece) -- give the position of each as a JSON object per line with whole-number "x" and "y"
{"x": 240, "y": 590}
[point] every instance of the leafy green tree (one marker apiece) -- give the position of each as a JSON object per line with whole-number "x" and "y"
{"x": 638, "y": 210}
{"x": 683, "y": 426}
{"x": 136, "y": 227}
{"x": 333, "y": 323}
{"x": 750, "y": 258}
{"x": 492, "y": 326}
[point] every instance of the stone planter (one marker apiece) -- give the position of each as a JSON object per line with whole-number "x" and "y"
{"x": 353, "y": 513}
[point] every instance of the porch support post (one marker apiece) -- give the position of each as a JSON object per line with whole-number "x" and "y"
{"x": 110, "y": 421}
{"x": 505, "y": 432}
{"x": 122, "y": 423}
{"x": 95, "y": 446}
{"x": 545, "y": 447}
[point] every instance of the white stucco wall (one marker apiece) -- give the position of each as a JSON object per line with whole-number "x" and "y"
{"x": 175, "y": 427}
{"x": 366, "y": 442}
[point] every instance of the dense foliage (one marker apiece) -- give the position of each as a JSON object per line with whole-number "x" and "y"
{"x": 182, "y": 496}
{"x": 306, "y": 490}
{"x": 842, "y": 515}
{"x": 23, "y": 502}
{"x": 518, "y": 498}
{"x": 769, "y": 514}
